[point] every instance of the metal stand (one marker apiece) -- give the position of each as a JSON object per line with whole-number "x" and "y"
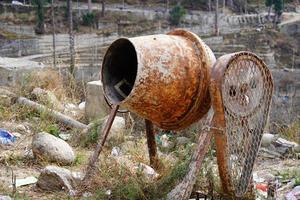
{"x": 151, "y": 145}
{"x": 94, "y": 157}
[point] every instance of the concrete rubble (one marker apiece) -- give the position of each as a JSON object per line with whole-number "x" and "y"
{"x": 95, "y": 106}
{"x": 273, "y": 146}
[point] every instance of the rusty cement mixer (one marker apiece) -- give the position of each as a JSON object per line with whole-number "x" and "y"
{"x": 172, "y": 81}
{"x": 162, "y": 78}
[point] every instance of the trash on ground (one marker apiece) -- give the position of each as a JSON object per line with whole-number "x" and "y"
{"x": 6, "y": 137}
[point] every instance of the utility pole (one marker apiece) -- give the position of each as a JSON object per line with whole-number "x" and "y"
{"x": 53, "y": 34}
{"x": 71, "y": 39}
{"x": 217, "y": 18}
{"x": 90, "y": 6}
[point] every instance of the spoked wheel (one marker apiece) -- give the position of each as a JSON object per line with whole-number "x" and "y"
{"x": 241, "y": 90}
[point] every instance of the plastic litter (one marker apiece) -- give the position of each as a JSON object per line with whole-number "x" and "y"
{"x": 25, "y": 181}
{"x": 6, "y": 137}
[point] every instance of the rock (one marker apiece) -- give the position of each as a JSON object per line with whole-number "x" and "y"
{"x": 96, "y": 106}
{"x": 70, "y": 106}
{"x": 297, "y": 148}
{"x": 81, "y": 106}
{"x": 148, "y": 171}
{"x": 108, "y": 192}
{"x": 72, "y": 110}
{"x": 21, "y": 128}
{"x": 4, "y": 197}
{"x": 6, "y": 97}
{"x": 48, "y": 98}
{"x": 18, "y": 135}
{"x": 182, "y": 140}
{"x": 53, "y": 178}
{"x": 165, "y": 141}
{"x": 266, "y": 153}
{"x": 48, "y": 147}
{"x": 116, "y": 151}
{"x": 86, "y": 195}
{"x": 118, "y": 128}
{"x": 267, "y": 139}
{"x": 65, "y": 136}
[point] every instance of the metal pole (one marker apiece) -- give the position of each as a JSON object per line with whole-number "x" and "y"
{"x": 53, "y": 34}
{"x": 93, "y": 159}
{"x": 151, "y": 144}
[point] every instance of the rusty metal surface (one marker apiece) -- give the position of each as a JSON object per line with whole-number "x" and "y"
{"x": 241, "y": 91}
{"x": 171, "y": 85}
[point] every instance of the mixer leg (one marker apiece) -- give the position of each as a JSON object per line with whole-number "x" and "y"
{"x": 151, "y": 144}
{"x": 94, "y": 158}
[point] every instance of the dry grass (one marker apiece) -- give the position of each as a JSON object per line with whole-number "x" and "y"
{"x": 292, "y": 131}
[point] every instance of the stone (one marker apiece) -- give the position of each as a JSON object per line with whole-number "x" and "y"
{"x": 96, "y": 106}
{"x": 182, "y": 140}
{"x": 18, "y": 135}
{"x": 81, "y": 106}
{"x": 48, "y": 147}
{"x": 267, "y": 139}
{"x": 21, "y": 128}
{"x": 48, "y": 98}
{"x": 117, "y": 130}
{"x": 6, "y": 97}
{"x": 5, "y": 197}
{"x": 148, "y": 171}
{"x": 53, "y": 178}
{"x": 116, "y": 151}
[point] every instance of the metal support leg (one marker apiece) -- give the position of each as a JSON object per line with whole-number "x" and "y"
{"x": 151, "y": 144}
{"x": 94, "y": 157}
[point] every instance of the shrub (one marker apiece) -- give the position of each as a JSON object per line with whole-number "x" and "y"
{"x": 176, "y": 14}
{"x": 89, "y": 19}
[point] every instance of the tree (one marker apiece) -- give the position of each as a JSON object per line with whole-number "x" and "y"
{"x": 269, "y": 4}
{"x": 176, "y": 14}
{"x": 39, "y": 5}
{"x": 278, "y": 7}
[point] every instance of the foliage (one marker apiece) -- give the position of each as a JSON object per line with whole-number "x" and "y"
{"x": 40, "y": 12}
{"x": 269, "y": 3}
{"x": 79, "y": 159}
{"x": 53, "y": 129}
{"x": 89, "y": 19}
{"x": 278, "y": 6}
{"x": 176, "y": 14}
